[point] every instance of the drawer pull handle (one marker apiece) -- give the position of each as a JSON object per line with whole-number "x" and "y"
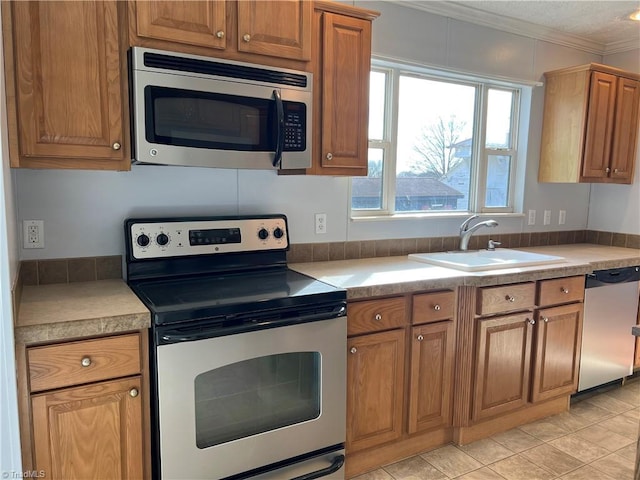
{"x": 545, "y": 319}
{"x": 436, "y": 307}
{"x": 353, "y": 350}
{"x": 378, "y": 317}
{"x": 420, "y": 338}
{"x": 510, "y": 298}
{"x": 531, "y": 321}
{"x": 133, "y": 392}
{"x": 86, "y": 361}
{"x": 564, "y": 290}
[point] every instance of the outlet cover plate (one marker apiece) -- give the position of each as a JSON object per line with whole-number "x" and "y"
{"x": 33, "y": 233}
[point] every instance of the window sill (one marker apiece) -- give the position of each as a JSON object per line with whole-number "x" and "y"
{"x": 427, "y": 216}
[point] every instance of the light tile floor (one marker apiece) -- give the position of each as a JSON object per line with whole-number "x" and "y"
{"x": 594, "y": 440}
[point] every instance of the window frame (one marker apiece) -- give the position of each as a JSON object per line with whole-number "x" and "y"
{"x": 480, "y": 152}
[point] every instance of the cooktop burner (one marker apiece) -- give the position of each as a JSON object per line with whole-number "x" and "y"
{"x": 200, "y": 268}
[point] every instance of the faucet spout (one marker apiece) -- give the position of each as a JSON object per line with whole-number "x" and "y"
{"x": 466, "y": 231}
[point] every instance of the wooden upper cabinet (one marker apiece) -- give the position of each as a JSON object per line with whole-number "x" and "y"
{"x": 341, "y": 65}
{"x": 276, "y": 33}
{"x": 193, "y": 23}
{"x": 276, "y": 28}
{"x": 590, "y": 125}
{"x": 66, "y": 85}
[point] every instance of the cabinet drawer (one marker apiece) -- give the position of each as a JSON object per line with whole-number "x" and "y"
{"x": 505, "y": 298}
{"x": 561, "y": 290}
{"x": 432, "y": 307}
{"x": 374, "y": 315}
{"x": 73, "y": 363}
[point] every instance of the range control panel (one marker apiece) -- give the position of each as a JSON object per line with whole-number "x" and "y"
{"x": 160, "y": 238}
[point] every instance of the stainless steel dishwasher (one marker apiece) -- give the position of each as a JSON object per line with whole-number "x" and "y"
{"x": 610, "y": 312}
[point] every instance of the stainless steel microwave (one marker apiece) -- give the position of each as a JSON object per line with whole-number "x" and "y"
{"x": 205, "y": 112}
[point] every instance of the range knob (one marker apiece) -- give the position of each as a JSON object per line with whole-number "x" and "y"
{"x": 278, "y": 233}
{"x": 162, "y": 239}
{"x": 263, "y": 234}
{"x": 142, "y": 240}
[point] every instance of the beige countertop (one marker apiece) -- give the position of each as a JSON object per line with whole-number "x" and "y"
{"x": 69, "y": 310}
{"x": 372, "y": 277}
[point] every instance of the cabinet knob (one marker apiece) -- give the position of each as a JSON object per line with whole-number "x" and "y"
{"x": 437, "y": 307}
{"x": 246, "y": 37}
{"x": 134, "y": 392}
{"x": 86, "y": 361}
{"x": 607, "y": 169}
{"x": 116, "y": 146}
{"x": 615, "y": 170}
{"x": 378, "y": 317}
{"x": 353, "y": 350}
{"x": 220, "y": 34}
{"x": 531, "y": 321}
{"x": 510, "y": 298}
{"x": 545, "y": 319}
{"x": 564, "y": 290}
{"x": 420, "y": 338}
{"x": 329, "y": 156}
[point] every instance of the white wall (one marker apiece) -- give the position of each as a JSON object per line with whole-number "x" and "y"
{"x": 9, "y": 436}
{"x": 83, "y": 211}
{"x": 616, "y": 208}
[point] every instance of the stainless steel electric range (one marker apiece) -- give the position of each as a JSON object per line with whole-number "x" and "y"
{"x": 248, "y": 358}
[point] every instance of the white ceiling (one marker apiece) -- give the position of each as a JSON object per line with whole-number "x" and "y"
{"x": 596, "y": 26}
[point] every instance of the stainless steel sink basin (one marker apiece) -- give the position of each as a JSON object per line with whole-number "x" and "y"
{"x": 477, "y": 260}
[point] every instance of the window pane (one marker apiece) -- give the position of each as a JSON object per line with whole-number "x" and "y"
{"x": 499, "y": 118}
{"x": 366, "y": 192}
{"x": 377, "y": 88}
{"x": 255, "y": 396}
{"x": 435, "y": 142}
{"x": 498, "y": 173}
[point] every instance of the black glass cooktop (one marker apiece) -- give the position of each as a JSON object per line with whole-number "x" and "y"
{"x": 220, "y": 295}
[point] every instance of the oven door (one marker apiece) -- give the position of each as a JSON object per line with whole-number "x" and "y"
{"x": 237, "y": 403}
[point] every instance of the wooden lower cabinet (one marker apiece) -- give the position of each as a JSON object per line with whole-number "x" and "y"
{"x": 503, "y": 364}
{"x": 431, "y": 385}
{"x": 375, "y": 380}
{"x": 91, "y": 431}
{"x": 557, "y": 351}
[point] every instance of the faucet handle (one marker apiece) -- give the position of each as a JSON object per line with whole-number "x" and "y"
{"x": 492, "y": 245}
{"x": 465, "y": 224}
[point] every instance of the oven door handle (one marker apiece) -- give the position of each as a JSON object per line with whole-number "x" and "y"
{"x": 277, "y": 158}
{"x": 336, "y": 465}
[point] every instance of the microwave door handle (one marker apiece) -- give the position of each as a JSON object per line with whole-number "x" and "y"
{"x": 280, "y": 128}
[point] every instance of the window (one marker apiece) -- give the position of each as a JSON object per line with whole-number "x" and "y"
{"x": 438, "y": 142}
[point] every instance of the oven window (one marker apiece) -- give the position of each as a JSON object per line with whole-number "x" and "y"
{"x": 255, "y": 396}
{"x": 209, "y": 120}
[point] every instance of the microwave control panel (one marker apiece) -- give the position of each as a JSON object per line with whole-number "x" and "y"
{"x": 177, "y": 238}
{"x": 295, "y": 127}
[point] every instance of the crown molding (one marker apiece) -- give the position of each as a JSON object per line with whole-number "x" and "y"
{"x": 518, "y": 27}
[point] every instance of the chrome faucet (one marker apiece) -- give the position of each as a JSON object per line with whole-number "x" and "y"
{"x": 466, "y": 232}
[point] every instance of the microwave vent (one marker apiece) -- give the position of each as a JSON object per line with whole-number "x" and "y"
{"x": 212, "y": 67}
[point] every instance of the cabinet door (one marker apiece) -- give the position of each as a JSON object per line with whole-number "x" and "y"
{"x": 623, "y": 149}
{"x": 277, "y": 28}
{"x": 89, "y": 432}
{"x": 503, "y": 364}
{"x": 69, "y": 89}
{"x": 346, "y": 61}
{"x": 599, "y": 131}
{"x": 432, "y": 356}
{"x": 375, "y": 378}
{"x": 557, "y": 351}
{"x": 194, "y": 23}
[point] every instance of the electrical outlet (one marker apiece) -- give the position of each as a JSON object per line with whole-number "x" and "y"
{"x": 546, "y": 220}
{"x": 321, "y": 223}
{"x": 33, "y": 233}
{"x": 532, "y": 217}
{"x": 562, "y": 217}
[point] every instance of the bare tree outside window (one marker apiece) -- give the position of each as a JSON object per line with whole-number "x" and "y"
{"x": 435, "y": 145}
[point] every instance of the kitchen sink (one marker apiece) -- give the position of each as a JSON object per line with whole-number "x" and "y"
{"x": 473, "y": 261}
